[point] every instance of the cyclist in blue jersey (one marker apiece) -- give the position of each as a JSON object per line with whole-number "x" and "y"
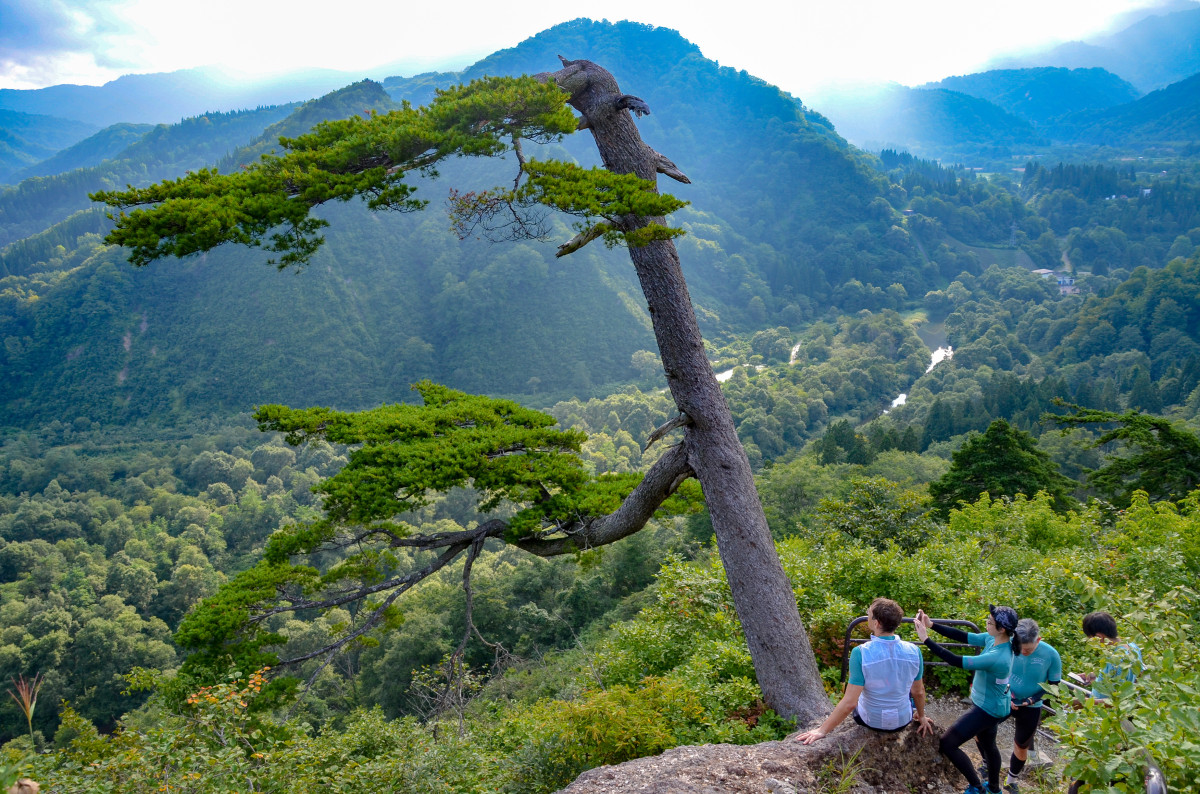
{"x": 989, "y": 690}
{"x": 1038, "y": 664}
{"x": 1102, "y": 626}
{"x": 886, "y": 690}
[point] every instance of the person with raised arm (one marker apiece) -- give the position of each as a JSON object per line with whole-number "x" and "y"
{"x": 989, "y": 690}
{"x": 886, "y": 691}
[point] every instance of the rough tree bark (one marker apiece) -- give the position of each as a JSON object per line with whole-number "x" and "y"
{"x": 779, "y": 646}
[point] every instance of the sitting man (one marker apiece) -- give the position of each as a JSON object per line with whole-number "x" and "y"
{"x": 886, "y": 688}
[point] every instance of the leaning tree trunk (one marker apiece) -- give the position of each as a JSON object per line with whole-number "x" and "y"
{"x": 779, "y": 646}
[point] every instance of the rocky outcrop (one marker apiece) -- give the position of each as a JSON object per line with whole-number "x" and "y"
{"x": 900, "y": 763}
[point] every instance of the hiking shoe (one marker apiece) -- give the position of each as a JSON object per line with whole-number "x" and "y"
{"x": 975, "y": 789}
{"x": 1011, "y": 785}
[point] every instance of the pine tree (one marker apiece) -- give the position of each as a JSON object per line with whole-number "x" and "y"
{"x": 1003, "y": 461}
{"x": 1143, "y": 394}
{"x": 268, "y": 205}
{"x": 1159, "y": 458}
{"x": 939, "y": 425}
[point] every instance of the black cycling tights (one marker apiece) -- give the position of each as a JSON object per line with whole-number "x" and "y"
{"x": 981, "y": 725}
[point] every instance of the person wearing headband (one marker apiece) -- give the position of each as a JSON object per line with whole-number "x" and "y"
{"x": 989, "y": 690}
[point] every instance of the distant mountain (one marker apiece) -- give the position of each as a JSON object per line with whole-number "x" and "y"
{"x": 165, "y": 151}
{"x": 1152, "y": 53}
{"x": 1169, "y": 116}
{"x": 783, "y": 212}
{"x": 167, "y": 97}
{"x": 26, "y": 138}
{"x": 928, "y": 122}
{"x": 419, "y": 89}
{"x": 1041, "y": 94}
{"x": 352, "y": 100}
{"x": 104, "y": 145}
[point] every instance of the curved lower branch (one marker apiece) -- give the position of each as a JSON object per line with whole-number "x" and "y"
{"x": 488, "y": 529}
{"x": 660, "y": 482}
{"x": 400, "y": 584}
{"x": 663, "y": 478}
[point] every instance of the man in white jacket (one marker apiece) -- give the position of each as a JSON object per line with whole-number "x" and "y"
{"x": 886, "y": 690}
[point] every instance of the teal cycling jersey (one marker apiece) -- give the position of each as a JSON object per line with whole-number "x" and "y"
{"x": 993, "y": 669}
{"x": 1030, "y": 671}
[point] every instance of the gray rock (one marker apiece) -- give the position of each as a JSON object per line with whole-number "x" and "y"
{"x": 898, "y": 763}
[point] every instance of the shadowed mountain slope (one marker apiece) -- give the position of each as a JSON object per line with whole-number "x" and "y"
{"x": 26, "y": 138}
{"x": 106, "y": 144}
{"x": 783, "y": 212}
{"x": 1167, "y": 116}
{"x": 1038, "y": 95}
{"x": 928, "y": 122}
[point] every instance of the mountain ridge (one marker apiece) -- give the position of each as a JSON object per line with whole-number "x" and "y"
{"x": 27, "y": 138}
{"x": 394, "y": 299}
{"x": 1152, "y": 53}
{"x": 1044, "y": 93}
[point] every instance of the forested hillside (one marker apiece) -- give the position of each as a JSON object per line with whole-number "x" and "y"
{"x": 1041, "y": 94}
{"x": 1046, "y": 457}
{"x": 476, "y": 316}
{"x": 26, "y": 138}
{"x": 93, "y": 150}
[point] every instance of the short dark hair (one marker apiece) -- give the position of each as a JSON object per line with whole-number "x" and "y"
{"x": 887, "y": 612}
{"x": 1100, "y": 623}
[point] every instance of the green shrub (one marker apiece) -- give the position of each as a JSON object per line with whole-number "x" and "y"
{"x": 1107, "y": 743}
{"x": 550, "y": 743}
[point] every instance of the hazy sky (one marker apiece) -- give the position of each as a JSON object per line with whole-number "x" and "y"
{"x": 798, "y": 45}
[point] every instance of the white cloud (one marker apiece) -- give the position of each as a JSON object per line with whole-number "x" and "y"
{"x": 799, "y": 46}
